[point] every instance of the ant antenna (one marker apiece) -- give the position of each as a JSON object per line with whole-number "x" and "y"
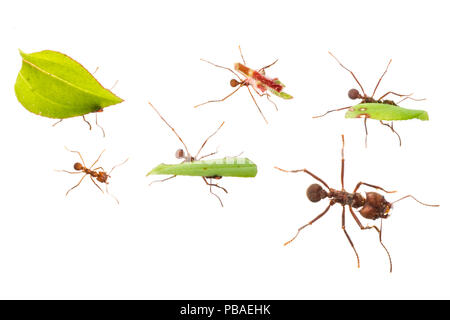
{"x": 169, "y": 127}
{"x": 410, "y": 196}
{"x": 389, "y": 63}
{"x": 115, "y": 83}
{"x": 84, "y": 119}
{"x": 354, "y": 77}
{"x": 204, "y": 143}
{"x": 216, "y": 65}
{"x": 242, "y": 56}
{"x": 118, "y": 165}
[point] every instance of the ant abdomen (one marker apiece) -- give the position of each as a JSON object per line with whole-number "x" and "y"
{"x": 179, "y": 154}
{"x": 315, "y": 193}
{"x": 234, "y": 83}
{"x": 353, "y": 94}
{"x": 78, "y": 166}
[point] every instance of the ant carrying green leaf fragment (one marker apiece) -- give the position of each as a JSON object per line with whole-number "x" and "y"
{"x": 207, "y": 169}
{"x": 53, "y": 85}
{"x": 378, "y": 109}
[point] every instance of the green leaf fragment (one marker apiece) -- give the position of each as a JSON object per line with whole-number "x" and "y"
{"x": 388, "y": 112}
{"x": 54, "y": 85}
{"x": 226, "y": 167}
{"x": 282, "y": 94}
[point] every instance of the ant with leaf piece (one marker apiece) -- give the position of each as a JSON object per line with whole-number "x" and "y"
{"x": 257, "y": 80}
{"x": 378, "y": 109}
{"x": 373, "y": 206}
{"x": 94, "y": 174}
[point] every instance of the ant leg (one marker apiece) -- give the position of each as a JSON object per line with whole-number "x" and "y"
{"x": 410, "y": 196}
{"x": 96, "y": 184}
{"x": 259, "y": 109}
{"x": 60, "y": 120}
{"x": 117, "y": 165}
{"x": 353, "y": 75}
{"x": 96, "y": 69}
{"x": 204, "y": 143}
{"x": 309, "y": 223}
{"x": 214, "y": 185}
{"x": 216, "y": 65}
{"x": 95, "y": 169}
{"x": 76, "y": 185}
{"x": 96, "y": 122}
{"x": 322, "y": 115}
{"x": 242, "y": 56}
{"x": 97, "y": 159}
{"x": 84, "y": 119}
{"x": 367, "y": 132}
{"x": 74, "y": 172}
{"x": 391, "y": 126}
{"x": 376, "y": 87}
{"x": 396, "y": 94}
{"x": 346, "y": 234}
{"x": 263, "y": 69}
{"x": 342, "y": 163}
{"x": 162, "y": 180}
{"x": 210, "y": 190}
{"x": 372, "y": 186}
{"x": 267, "y": 96}
{"x": 220, "y": 100}
{"x": 306, "y": 171}
{"x": 207, "y": 155}
{"x": 82, "y": 160}
{"x": 373, "y": 227}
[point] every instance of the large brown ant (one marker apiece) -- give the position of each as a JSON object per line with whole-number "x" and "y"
{"x": 373, "y": 206}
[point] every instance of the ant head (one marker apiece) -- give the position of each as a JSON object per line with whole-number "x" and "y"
{"x": 354, "y": 94}
{"x": 179, "y": 154}
{"x": 375, "y": 207}
{"x": 102, "y": 177}
{"x": 315, "y": 193}
{"x": 78, "y": 166}
{"x": 234, "y": 83}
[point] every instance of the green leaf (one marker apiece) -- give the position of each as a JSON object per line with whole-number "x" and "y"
{"x": 226, "y": 167}
{"x": 53, "y": 85}
{"x": 388, "y": 112}
{"x": 283, "y": 95}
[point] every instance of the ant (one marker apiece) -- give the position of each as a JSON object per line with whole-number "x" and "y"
{"x": 354, "y": 94}
{"x": 99, "y": 109}
{"x": 186, "y": 156}
{"x": 98, "y": 173}
{"x": 257, "y": 80}
{"x": 373, "y": 206}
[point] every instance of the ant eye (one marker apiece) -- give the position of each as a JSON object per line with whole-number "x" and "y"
{"x": 353, "y": 94}
{"x": 234, "y": 83}
{"x": 179, "y": 154}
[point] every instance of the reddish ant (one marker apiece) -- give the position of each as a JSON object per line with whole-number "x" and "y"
{"x": 98, "y": 173}
{"x": 374, "y": 206}
{"x": 355, "y": 94}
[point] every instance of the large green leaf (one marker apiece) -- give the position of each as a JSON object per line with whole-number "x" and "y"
{"x": 54, "y": 85}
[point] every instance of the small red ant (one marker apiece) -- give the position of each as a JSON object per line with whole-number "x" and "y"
{"x": 98, "y": 173}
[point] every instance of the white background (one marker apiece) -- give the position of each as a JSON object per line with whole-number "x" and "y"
{"x": 173, "y": 240}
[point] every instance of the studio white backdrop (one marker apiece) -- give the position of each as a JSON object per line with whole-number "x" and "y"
{"x": 173, "y": 240}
